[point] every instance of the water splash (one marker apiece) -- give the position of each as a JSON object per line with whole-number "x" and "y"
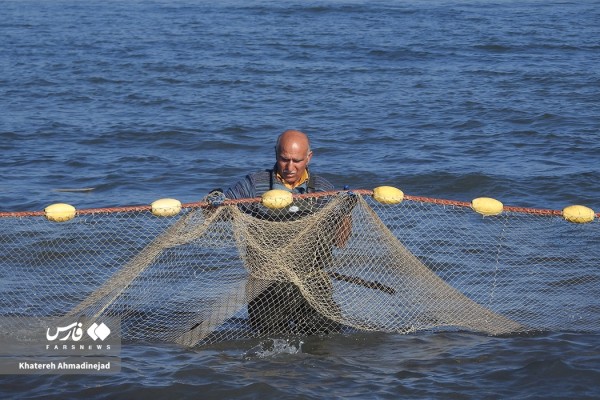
{"x": 274, "y": 347}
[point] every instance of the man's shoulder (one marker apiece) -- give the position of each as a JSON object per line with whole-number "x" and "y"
{"x": 259, "y": 179}
{"x": 257, "y": 175}
{"x": 258, "y": 182}
{"x": 250, "y": 185}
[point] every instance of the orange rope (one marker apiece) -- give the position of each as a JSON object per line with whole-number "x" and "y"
{"x": 18, "y": 214}
{"x": 227, "y": 202}
{"x": 438, "y": 201}
{"x": 537, "y": 211}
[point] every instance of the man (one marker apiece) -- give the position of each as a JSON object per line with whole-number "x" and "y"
{"x": 280, "y": 308}
{"x": 292, "y": 154}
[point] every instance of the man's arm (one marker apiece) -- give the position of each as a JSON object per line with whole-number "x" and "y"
{"x": 343, "y": 232}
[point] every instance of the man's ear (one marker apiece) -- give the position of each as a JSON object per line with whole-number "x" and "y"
{"x": 309, "y": 156}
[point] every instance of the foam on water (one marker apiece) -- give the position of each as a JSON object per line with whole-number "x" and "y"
{"x": 275, "y": 347}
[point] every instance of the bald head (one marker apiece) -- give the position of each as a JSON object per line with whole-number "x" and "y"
{"x": 293, "y": 137}
{"x": 293, "y": 154}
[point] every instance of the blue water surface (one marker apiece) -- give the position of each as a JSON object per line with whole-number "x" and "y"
{"x": 139, "y": 100}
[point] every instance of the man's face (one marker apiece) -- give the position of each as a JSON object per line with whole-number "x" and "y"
{"x": 292, "y": 159}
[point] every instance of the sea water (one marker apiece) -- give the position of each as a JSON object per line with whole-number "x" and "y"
{"x": 131, "y": 101}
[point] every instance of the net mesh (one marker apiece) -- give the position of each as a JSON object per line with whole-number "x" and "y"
{"x": 334, "y": 262}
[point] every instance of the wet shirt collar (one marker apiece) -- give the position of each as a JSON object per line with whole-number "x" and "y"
{"x": 303, "y": 179}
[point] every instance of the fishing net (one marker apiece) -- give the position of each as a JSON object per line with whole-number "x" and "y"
{"x": 329, "y": 262}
